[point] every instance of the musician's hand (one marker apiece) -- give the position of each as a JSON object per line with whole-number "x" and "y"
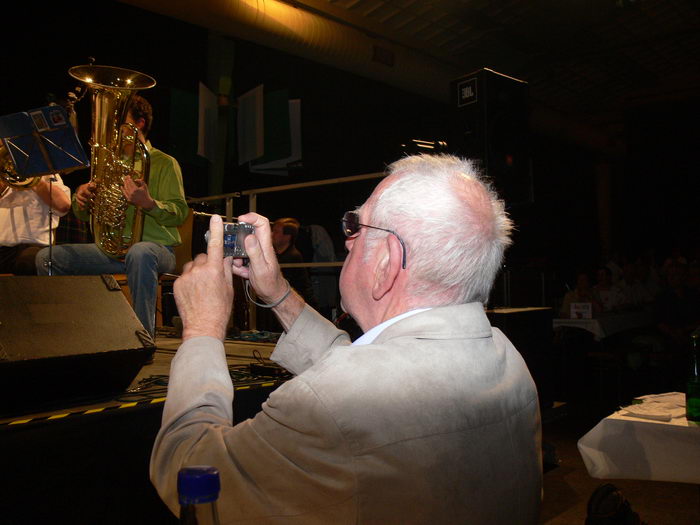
{"x": 84, "y": 194}
{"x": 204, "y": 291}
{"x": 136, "y": 192}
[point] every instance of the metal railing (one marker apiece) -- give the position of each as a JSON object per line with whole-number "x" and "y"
{"x": 252, "y": 195}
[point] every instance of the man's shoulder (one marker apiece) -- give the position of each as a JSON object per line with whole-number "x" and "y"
{"x": 432, "y": 335}
{"x": 442, "y": 369}
{"x": 458, "y": 321}
{"x": 159, "y": 158}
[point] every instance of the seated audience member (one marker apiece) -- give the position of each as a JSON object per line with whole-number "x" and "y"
{"x": 633, "y": 295}
{"x": 648, "y": 276}
{"x": 582, "y": 293}
{"x": 284, "y": 237}
{"x": 430, "y": 417}
{"x": 677, "y": 309}
{"x": 285, "y": 232}
{"x": 24, "y": 221}
{"x": 675, "y": 256}
{"x": 615, "y": 264}
{"x": 609, "y": 294}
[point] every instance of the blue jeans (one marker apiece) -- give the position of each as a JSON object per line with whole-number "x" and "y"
{"x": 143, "y": 263}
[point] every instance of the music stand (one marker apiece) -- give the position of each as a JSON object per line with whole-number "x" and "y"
{"x": 40, "y": 142}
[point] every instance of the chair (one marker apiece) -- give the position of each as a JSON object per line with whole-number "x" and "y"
{"x": 608, "y": 506}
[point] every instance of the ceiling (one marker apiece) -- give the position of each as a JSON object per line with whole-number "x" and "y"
{"x": 588, "y": 61}
{"x": 592, "y": 57}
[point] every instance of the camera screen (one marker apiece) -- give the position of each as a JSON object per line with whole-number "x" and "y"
{"x": 234, "y": 236}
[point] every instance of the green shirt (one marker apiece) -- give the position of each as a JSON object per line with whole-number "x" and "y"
{"x": 166, "y": 188}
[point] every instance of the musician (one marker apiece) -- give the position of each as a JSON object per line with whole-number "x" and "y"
{"x": 24, "y": 221}
{"x": 163, "y": 203}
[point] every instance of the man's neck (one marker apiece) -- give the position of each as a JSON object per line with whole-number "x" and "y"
{"x": 370, "y": 335}
{"x": 391, "y": 305}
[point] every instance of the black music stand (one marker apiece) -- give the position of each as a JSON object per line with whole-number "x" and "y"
{"x": 40, "y": 142}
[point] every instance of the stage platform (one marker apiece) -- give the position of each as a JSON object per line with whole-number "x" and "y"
{"x": 86, "y": 460}
{"x": 150, "y": 384}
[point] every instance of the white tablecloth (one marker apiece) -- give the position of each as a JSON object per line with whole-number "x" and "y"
{"x": 626, "y": 447}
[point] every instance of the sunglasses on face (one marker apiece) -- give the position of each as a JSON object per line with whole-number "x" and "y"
{"x": 351, "y": 227}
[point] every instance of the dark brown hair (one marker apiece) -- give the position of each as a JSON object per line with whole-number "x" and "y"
{"x": 139, "y": 107}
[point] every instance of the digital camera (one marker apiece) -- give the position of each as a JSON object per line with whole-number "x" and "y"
{"x": 234, "y": 237}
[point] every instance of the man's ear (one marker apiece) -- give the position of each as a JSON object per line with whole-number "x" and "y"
{"x": 387, "y": 267}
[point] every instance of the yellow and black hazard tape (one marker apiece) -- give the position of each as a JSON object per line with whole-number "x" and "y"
{"x": 63, "y": 415}
{"x": 256, "y": 385}
{"x": 131, "y": 404}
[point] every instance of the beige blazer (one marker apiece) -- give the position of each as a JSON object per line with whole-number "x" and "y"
{"x": 436, "y": 422}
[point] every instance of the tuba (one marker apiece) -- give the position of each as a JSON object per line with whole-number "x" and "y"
{"x": 10, "y": 176}
{"x": 115, "y": 152}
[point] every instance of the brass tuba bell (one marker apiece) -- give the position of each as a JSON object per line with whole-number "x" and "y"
{"x": 115, "y": 152}
{"x": 10, "y": 176}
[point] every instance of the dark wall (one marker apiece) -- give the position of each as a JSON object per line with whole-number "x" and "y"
{"x": 658, "y": 192}
{"x": 352, "y": 125}
{"x": 44, "y": 40}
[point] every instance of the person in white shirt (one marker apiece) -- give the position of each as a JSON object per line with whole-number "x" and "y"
{"x": 611, "y": 297}
{"x": 430, "y": 417}
{"x": 24, "y": 221}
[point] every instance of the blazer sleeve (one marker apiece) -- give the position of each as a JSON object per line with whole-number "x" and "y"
{"x": 310, "y": 338}
{"x": 289, "y": 461}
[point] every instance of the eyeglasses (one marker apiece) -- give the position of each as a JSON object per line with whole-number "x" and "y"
{"x": 352, "y": 225}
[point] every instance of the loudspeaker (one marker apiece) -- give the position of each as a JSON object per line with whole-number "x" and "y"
{"x": 530, "y": 331}
{"x": 65, "y": 339}
{"x": 491, "y": 124}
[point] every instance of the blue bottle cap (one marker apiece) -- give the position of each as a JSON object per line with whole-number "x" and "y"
{"x": 198, "y": 484}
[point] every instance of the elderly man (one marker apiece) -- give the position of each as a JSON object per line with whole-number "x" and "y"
{"x": 430, "y": 417}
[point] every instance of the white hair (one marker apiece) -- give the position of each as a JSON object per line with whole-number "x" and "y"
{"x": 454, "y": 226}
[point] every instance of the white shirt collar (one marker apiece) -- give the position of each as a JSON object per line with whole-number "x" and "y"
{"x": 369, "y": 336}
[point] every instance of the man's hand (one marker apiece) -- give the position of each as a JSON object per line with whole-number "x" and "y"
{"x": 263, "y": 270}
{"x": 84, "y": 195}
{"x": 204, "y": 291}
{"x": 136, "y": 192}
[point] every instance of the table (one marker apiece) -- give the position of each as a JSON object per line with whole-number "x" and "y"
{"x": 607, "y": 324}
{"x": 626, "y": 447}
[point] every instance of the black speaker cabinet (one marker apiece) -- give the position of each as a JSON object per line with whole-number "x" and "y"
{"x": 491, "y": 124}
{"x": 530, "y": 330}
{"x": 65, "y": 339}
